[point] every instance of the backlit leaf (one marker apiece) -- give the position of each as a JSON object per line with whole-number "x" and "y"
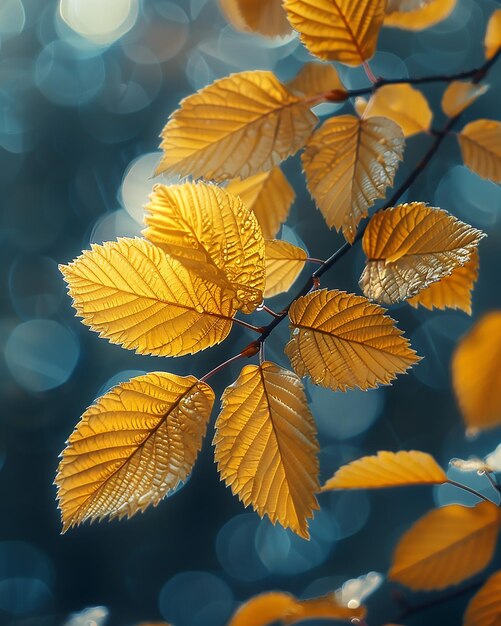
{"x": 318, "y": 78}
{"x": 480, "y": 143}
{"x": 266, "y": 17}
{"x": 266, "y": 446}
{"x": 492, "y": 41}
{"x": 453, "y": 291}
{"x": 343, "y": 341}
{"x": 213, "y": 233}
{"x": 324, "y": 607}
{"x": 269, "y": 196}
{"x": 338, "y": 30}
{"x": 424, "y": 16}
{"x": 349, "y": 163}
{"x": 446, "y": 546}
{"x": 476, "y": 373}
{"x": 484, "y": 608}
{"x": 284, "y": 263}
{"x": 240, "y": 125}
{"x": 403, "y": 104}
{"x": 388, "y": 469}
{"x": 411, "y": 246}
{"x": 133, "y": 446}
{"x": 459, "y": 95}
{"x": 135, "y": 295}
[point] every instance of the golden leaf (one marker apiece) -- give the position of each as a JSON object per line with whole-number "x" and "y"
{"x": 132, "y": 447}
{"x": 453, "y": 291}
{"x": 213, "y": 234}
{"x": 484, "y": 608}
{"x": 269, "y": 196}
{"x": 476, "y": 373}
{"x": 427, "y": 15}
{"x": 240, "y": 125}
{"x": 284, "y": 263}
{"x": 338, "y": 30}
{"x": 324, "y": 607}
{"x": 480, "y": 143}
{"x": 492, "y": 41}
{"x": 343, "y": 341}
{"x": 459, "y": 95}
{"x": 403, "y": 104}
{"x": 388, "y": 469}
{"x": 266, "y": 447}
{"x": 315, "y": 79}
{"x": 446, "y": 546}
{"x": 410, "y": 246}
{"x": 266, "y": 17}
{"x": 137, "y": 296}
{"x": 349, "y": 163}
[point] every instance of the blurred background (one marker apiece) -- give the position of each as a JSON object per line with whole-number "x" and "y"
{"x": 85, "y": 89}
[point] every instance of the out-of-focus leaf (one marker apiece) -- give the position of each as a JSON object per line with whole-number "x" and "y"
{"x": 133, "y": 446}
{"x": 266, "y": 446}
{"x": 492, "y": 41}
{"x": 314, "y": 79}
{"x": 484, "y": 608}
{"x": 459, "y": 95}
{"x": 427, "y": 15}
{"x": 266, "y": 17}
{"x": 325, "y": 607}
{"x": 411, "y": 246}
{"x": 480, "y": 143}
{"x": 284, "y": 263}
{"x": 343, "y": 341}
{"x": 338, "y": 30}
{"x": 476, "y": 373}
{"x": 240, "y": 125}
{"x": 388, "y": 469}
{"x": 349, "y": 163}
{"x": 446, "y": 546}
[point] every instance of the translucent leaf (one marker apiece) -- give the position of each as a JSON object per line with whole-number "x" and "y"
{"x": 338, "y": 30}
{"x": 476, "y": 373}
{"x": 411, "y": 246}
{"x": 403, "y": 104}
{"x": 404, "y": 6}
{"x": 459, "y": 95}
{"x": 284, "y": 263}
{"x": 269, "y": 195}
{"x": 480, "y": 143}
{"x": 133, "y": 446}
{"x": 453, "y": 291}
{"x": 266, "y": 447}
{"x": 266, "y": 17}
{"x": 492, "y": 41}
{"x": 429, "y": 14}
{"x": 135, "y": 295}
{"x": 213, "y": 233}
{"x": 349, "y": 163}
{"x": 343, "y": 341}
{"x": 388, "y": 469}
{"x": 446, "y": 546}
{"x": 317, "y": 78}
{"x": 240, "y": 125}
{"x": 484, "y": 608}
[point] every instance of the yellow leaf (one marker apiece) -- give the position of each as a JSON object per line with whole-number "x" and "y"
{"x": 446, "y": 546}
{"x": 424, "y": 16}
{"x": 266, "y": 445}
{"x": 284, "y": 263}
{"x": 388, "y": 469}
{"x": 135, "y": 295}
{"x": 266, "y": 17}
{"x": 410, "y": 246}
{"x": 492, "y": 41}
{"x": 263, "y": 609}
{"x": 484, "y": 608}
{"x": 213, "y": 234}
{"x": 403, "y": 104}
{"x": 269, "y": 196}
{"x": 315, "y": 79}
{"x": 132, "y": 447}
{"x": 343, "y": 341}
{"x": 325, "y": 607}
{"x": 349, "y": 163}
{"x": 459, "y": 95}
{"x": 480, "y": 143}
{"x": 338, "y": 30}
{"x": 240, "y": 125}
{"x": 453, "y": 291}
{"x": 476, "y": 373}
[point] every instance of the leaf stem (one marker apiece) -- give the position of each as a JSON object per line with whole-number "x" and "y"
{"x": 469, "y": 490}
{"x": 256, "y": 329}
{"x": 221, "y": 366}
{"x": 270, "y": 311}
{"x": 313, "y": 260}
